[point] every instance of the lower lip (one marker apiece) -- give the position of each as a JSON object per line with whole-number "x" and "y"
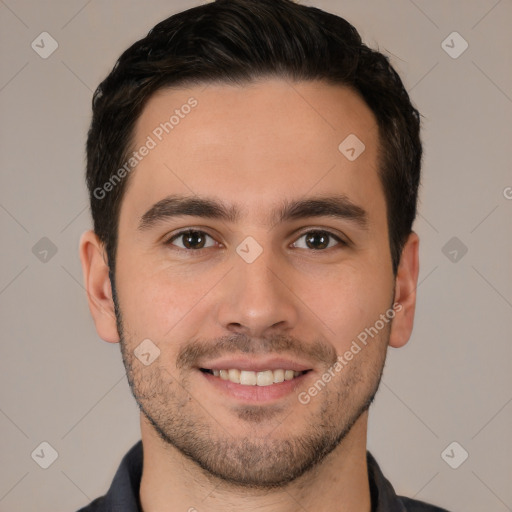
{"x": 255, "y": 393}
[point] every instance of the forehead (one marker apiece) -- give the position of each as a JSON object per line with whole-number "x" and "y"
{"x": 252, "y": 145}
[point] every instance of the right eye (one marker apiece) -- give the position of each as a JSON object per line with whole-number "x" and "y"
{"x": 192, "y": 240}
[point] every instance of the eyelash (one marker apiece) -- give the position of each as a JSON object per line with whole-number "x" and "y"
{"x": 175, "y": 236}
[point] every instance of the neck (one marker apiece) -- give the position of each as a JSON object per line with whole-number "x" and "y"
{"x": 171, "y": 481}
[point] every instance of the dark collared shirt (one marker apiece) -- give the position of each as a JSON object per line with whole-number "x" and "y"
{"x": 123, "y": 495}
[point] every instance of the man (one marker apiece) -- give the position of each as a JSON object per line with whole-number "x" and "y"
{"x": 253, "y": 171}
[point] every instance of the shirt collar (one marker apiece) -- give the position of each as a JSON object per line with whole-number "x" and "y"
{"x": 123, "y": 494}
{"x": 383, "y": 496}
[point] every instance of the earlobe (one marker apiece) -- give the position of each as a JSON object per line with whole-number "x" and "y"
{"x": 97, "y": 284}
{"x": 405, "y": 292}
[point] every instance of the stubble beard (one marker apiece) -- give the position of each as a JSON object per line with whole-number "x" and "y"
{"x": 248, "y": 460}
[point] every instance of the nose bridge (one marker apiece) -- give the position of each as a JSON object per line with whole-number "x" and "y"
{"x": 255, "y": 298}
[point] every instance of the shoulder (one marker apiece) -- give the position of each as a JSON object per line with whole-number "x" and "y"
{"x": 419, "y": 506}
{"x": 384, "y": 498}
{"x": 123, "y": 493}
{"x": 98, "y": 505}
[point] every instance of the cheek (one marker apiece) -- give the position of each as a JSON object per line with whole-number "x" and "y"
{"x": 348, "y": 301}
{"x": 164, "y": 303}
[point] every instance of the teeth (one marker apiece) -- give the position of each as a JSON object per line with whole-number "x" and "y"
{"x": 278, "y": 375}
{"x": 250, "y": 378}
{"x": 289, "y": 374}
{"x": 264, "y": 378}
{"x": 234, "y": 375}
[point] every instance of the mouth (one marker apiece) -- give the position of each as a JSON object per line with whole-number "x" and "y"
{"x": 255, "y": 378}
{"x": 263, "y": 387}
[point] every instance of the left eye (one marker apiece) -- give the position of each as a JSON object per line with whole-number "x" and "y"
{"x": 192, "y": 239}
{"x": 320, "y": 239}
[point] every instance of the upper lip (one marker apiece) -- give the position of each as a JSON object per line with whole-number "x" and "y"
{"x": 255, "y": 365}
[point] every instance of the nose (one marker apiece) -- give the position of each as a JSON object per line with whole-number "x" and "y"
{"x": 257, "y": 298}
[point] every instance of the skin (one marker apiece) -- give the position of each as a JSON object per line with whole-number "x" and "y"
{"x": 253, "y": 146}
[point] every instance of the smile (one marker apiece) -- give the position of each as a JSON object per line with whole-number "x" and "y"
{"x": 253, "y": 378}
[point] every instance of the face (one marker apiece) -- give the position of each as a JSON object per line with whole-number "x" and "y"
{"x": 283, "y": 269}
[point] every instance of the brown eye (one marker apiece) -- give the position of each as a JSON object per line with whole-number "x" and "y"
{"x": 190, "y": 239}
{"x": 319, "y": 240}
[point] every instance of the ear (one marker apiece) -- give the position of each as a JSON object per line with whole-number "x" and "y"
{"x": 406, "y": 283}
{"x": 97, "y": 284}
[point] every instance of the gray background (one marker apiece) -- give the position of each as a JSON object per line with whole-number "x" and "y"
{"x": 61, "y": 384}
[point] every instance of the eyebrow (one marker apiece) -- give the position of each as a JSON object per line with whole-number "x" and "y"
{"x": 335, "y": 206}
